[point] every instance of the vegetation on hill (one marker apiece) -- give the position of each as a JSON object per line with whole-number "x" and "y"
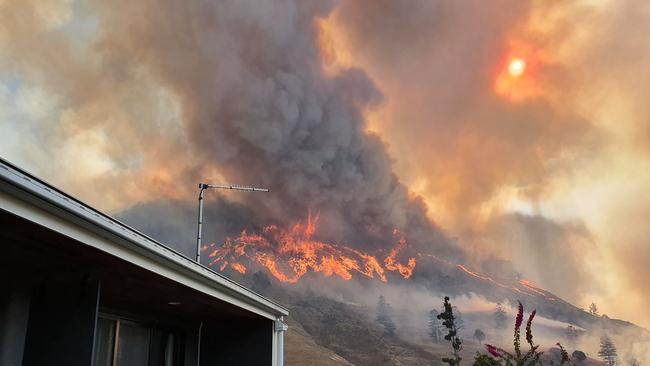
{"x": 607, "y": 351}
{"x": 497, "y": 355}
{"x": 384, "y": 316}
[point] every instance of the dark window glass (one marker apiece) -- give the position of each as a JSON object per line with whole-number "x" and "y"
{"x": 104, "y": 342}
{"x": 127, "y": 343}
{"x": 169, "y": 350}
{"x": 133, "y": 345}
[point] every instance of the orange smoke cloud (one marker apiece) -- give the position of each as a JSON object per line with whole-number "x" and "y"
{"x": 140, "y": 113}
{"x": 562, "y": 144}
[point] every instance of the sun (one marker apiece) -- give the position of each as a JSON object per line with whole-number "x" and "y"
{"x": 516, "y": 67}
{"x": 516, "y": 79}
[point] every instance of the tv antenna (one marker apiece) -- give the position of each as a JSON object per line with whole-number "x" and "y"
{"x": 202, "y": 188}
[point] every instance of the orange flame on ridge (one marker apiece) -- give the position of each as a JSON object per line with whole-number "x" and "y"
{"x": 239, "y": 267}
{"x": 289, "y": 254}
{"x": 392, "y": 265}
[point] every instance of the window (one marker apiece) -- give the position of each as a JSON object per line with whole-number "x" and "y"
{"x": 133, "y": 346}
{"x": 104, "y": 342}
{"x": 121, "y": 342}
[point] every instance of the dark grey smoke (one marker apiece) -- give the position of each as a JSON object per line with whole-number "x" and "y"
{"x": 259, "y": 109}
{"x": 175, "y": 222}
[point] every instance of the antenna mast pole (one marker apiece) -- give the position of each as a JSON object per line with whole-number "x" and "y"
{"x": 202, "y": 188}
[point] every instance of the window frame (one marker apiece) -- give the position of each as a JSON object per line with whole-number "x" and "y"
{"x": 166, "y": 328}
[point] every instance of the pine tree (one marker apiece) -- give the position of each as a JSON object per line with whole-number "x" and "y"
{"x": 384, "y": 311}
{"x": 500, "y": 318}
{"x": 607, "y": 351}
{"x": 571, "y": 335}
{"x": 593, "y": 309}
{"x": 479, "y": 335}
{"x": 458, "y": 316}
{"x": 435, "y": 331}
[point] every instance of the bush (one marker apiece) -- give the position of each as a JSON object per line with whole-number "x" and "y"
{"x": 485, "y": 360}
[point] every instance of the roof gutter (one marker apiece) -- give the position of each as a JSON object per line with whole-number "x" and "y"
{"x": 30, "y": 189}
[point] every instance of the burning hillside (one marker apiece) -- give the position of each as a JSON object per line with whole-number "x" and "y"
{"x": 290, "y": 254}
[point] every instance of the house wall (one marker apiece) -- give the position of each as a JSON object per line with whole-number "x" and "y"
{"x": 14, "y": 315}
{"x": 50, "y": 319}
{"x": 237, "y": 343}
{"x": 50, "y": 292}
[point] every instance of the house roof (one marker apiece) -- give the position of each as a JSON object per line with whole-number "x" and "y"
{"x": 24, "y": 195}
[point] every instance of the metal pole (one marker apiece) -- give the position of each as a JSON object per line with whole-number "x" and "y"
{"x": 198, "y": 235}
{"x": 203, "y": 187}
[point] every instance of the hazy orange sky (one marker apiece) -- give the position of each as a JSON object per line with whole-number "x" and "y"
{"x": 544, "y": 161}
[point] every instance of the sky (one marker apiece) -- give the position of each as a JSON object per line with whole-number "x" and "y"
{"x": 516, "y": 130}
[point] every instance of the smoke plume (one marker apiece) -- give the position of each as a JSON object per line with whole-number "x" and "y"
{"x": 338, "y": 107}
{"x": 254, "y": 106}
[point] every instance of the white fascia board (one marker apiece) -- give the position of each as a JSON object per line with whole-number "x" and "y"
{"x": 37, "y": 202}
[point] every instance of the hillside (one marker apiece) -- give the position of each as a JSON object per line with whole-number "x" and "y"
{"x": 326, "y": 331}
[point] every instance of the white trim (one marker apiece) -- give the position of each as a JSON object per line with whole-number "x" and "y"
{"x": 34, "y": 200}
{"x": 279, "y": 329}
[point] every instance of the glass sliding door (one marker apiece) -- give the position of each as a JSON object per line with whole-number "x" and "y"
{"x": 133, "y": 343}
{"x": 105, "y": 342}
{"x": 120, "y": 342}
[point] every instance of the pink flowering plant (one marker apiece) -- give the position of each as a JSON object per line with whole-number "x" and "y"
{"x": 519, "y": 358}
{"x": 498, "y": 356}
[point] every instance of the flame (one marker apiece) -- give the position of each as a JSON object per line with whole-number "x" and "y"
{"x": 239, "y": 267}
{"x": 529, "y": 285}
{"x": 289, "y": 254}
{"x": 486, "y": 278}
{"x": 391, "y": 263}
{"x": 526, "y": 288}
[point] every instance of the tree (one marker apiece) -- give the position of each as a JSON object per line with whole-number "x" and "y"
{"x": 435, "y": 331}
{"x": 447, "y": 317}
{"x": 571, "y": 335}
{"x": 460, "y": 322}
{"x": 500, "y": 318}
{"x": 607, "y": 351}
{"x": 593, "y": 309}
{"x": 479, "y": 336}
{"x": 384, "y": 311}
